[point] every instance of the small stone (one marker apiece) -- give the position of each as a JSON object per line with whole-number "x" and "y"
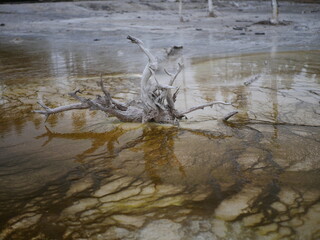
{"x": 115, "y": 233}
{"x": 2, "y": 24}
{"x": 200, "y": 197}
{"x": 252, "y": 220}
{"x": 280, "y": 207}
{"x": 301, "y": 28}
{"x": 231, "y": 208}
{"x": 205, "y": 236}
{"x": 136, "y": 221}
{"x": 296, "y": 222}
{"x": 113, "y": 186}
{"x": 79, "y": 206}
{"x": 219, "y": 228}
{"x": 205, "y": 226}
{"x": 194, "y": 227}
{"x": 121, "y": 195}
{"x": 238, "y": 28}
{"x": 162, "y": 230}
{"x": 79, "y": 186}
{"x": 268, "y": 228}
{"x": 284, "y": 231}
{"x": 288, "y": 196}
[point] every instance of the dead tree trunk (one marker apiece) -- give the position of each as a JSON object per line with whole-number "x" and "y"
{"x": 275, "y": 12}
{"x": 156, "y": 104}
{"x": 210, "y": 8}
{"x": 180, "y": 11}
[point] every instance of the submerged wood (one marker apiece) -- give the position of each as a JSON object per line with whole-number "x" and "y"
{"x": 156, "y": 104}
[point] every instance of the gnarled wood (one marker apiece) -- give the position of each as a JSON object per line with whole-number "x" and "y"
{"x": 157, "y": 103}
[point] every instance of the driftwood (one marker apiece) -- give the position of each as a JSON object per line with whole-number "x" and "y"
{"x": 275, "y": 12}
{"x": 210, "y": 8}
{"x": 156, "y": 104}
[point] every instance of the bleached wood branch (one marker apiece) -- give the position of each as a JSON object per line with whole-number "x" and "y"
{"x": 210, "y": 8}
{"x": 109, "y": 99}
{"x": 147, "y": 88}
{"x": 203, "y": 106}
{"x": 48, "y": 111}
{"x": 157, "y": 103}
{"x": 169, "y": 97}
{"x": 229, "y": 115}
{"x": 180, "y": 11}
{"x": 275, "y": 12}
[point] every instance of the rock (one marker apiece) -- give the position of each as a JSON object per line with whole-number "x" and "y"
{"x": 264, "y": 230}
{"x": 136, "y": 221}
{"x": 205, "y": 236}
{"x": 238, "y": 28}
{"x": 113, "y": 186}
{"x": 162, "y": 230}
{"x": 114, "y": 233}
{"x": 238, "y": 204}
{"x": 252, "y": 220}
{"x": 219, "y": 227}
{"x": 169, "y": 189}
{"x": 77, "y": 207}
{"x": 79, "y": 186}
{"x": 194, "y": 227}
{"x": 301, "y": 28}
{"x": 121, "y": 195}
{"x": 25, "y": 221}
{"x": 285, "y": 231}
{"x": 288, "y": 196}
{"x": 204, "y": 226}
{"x": 280, "y": 207}
{"x": 250, "y": 157}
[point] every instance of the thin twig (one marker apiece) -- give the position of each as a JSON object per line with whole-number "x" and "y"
{"x": 203, "y": 106}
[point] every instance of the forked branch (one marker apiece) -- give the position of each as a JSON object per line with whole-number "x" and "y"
{"x": 157, "y": 103}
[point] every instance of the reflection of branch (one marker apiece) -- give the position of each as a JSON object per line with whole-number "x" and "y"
{"x": 47, "y": 134}
{"x": 98, "y": 139}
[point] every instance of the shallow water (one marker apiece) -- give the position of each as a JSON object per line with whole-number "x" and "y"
{"x": 80, "y": 175}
